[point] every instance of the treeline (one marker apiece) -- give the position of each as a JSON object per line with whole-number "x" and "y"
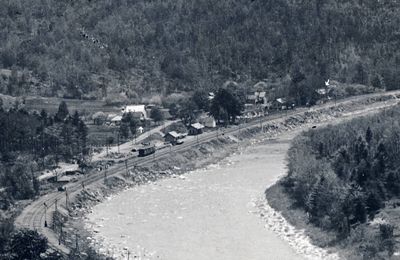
{"x": 31, "y": 141}
{"x": 342, "y": 176}
{"x": 80, "y": 47}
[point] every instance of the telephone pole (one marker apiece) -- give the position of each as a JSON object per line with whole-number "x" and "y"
{"x": 45, "y": 214}
{"x": 66, "y": 199}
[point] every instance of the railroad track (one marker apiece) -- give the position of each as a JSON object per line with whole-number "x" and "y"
{"x": 35, "y": 214}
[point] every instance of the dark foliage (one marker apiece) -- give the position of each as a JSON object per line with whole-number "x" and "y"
{"x": 78, "y": 46}
{"x": 341, "y": 178}
{"x": 31, "y": 141}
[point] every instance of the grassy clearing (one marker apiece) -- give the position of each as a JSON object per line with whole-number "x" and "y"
{"x": 84, "y": 107}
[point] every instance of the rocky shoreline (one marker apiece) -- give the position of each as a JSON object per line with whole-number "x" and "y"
{"x": 196, "y": 158}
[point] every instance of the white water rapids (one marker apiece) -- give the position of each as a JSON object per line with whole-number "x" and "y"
{"x": 205, "y": 214}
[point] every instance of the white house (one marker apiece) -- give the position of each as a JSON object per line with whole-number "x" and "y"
{"x": 136, "y": 109}
{"x": 208, "y": 121}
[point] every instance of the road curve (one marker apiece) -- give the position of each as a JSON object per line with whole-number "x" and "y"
{"x": 41, "y": 210}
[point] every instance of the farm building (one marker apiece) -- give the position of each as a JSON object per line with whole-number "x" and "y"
{"x": 140, "y": 130}
{"x": 171, "y": 137}
{"x": 196, "y": 129}
{"x": 136, "y": 109}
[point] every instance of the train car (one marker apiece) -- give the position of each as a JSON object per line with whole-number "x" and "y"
{"x": 147, "y": 150}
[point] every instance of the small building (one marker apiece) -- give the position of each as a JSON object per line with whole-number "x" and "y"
{"x": 257, "y": 98}
{"x": 279, "y": 104}
{"x": 140, "y": 130}
{"x": 196, "y": 129}
{"x": 116, "y": 120}
{"x": 251, "y": 99}
{"x": 171, "y": 137}
{"x": 208, "y": 122}
{"x": 262, "y": 97}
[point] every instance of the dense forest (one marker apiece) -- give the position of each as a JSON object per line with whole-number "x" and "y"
{"x": 344, "y": 175}
{"x": 30, "y": 142}
{"x": 89, "y": 49}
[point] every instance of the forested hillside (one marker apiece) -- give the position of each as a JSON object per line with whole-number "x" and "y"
{"x": 85, "y": 48}
{"x": 347, "y": 176}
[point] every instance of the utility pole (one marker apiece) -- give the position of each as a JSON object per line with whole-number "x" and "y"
{"x": 55, "y": 205}
{"x": 126, "y": 166}
{"x": 118, "y": 141}
{"x": 60, "y": 237}
{"x": 66, "y": 199}
{"x": 45, "y": 214}
{"x": 105, "y": 175}
{"x": 76, "y": 242}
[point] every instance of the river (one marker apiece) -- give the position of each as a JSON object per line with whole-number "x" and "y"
{"x": 204, "y": 214}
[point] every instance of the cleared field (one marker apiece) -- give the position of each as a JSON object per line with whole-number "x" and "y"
{"x": 98, "y": 134}
{"x": 82, "y": 106}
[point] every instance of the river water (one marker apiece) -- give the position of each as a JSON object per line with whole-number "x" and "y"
{"x": 205, "y": 214}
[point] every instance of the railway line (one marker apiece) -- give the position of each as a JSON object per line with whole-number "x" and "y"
{"x": 41, "y": 210}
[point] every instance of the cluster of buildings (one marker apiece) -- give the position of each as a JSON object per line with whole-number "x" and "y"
{"x": 139, "y": 112}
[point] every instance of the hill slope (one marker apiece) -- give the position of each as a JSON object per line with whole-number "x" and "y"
{"x": 86, "y": 47}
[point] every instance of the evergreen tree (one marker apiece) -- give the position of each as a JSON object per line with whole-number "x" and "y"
{"x": 62, "y": 112}
{"x": 27, "y": 244}
{"x": 368, "y": 135}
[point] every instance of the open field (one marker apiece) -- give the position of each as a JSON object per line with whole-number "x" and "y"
{"x": 82, "y": 106}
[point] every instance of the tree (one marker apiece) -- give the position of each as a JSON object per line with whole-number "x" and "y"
{"x": 156, "y": 114}
{"x": 99, "y": 118}
{"x": 200, "y": 97}
{"x": 27, "y": 244}
{"x": 226, "y": 106}
{"x": 377, "y": 82}
{"x": 368, "y": 135}
{"x": 187, "y": 112}
{"x": 82, "y": 135}
{"x": 62, "y": 112}
{"x": 124, "y": 130}
{"x": 76, "y": 118}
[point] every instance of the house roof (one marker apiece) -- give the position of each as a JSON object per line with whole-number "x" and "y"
{"x": 111, "y": 116}
{"x": 116, "y": 119}
{"x": 173, "y": 134}
{"x": 135, "y": 108}
{"x": 281, "y": 100}
{"x": 197, "y": 126}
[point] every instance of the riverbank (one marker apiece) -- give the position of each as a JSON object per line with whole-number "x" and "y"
{"x": 199, "y": 156}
